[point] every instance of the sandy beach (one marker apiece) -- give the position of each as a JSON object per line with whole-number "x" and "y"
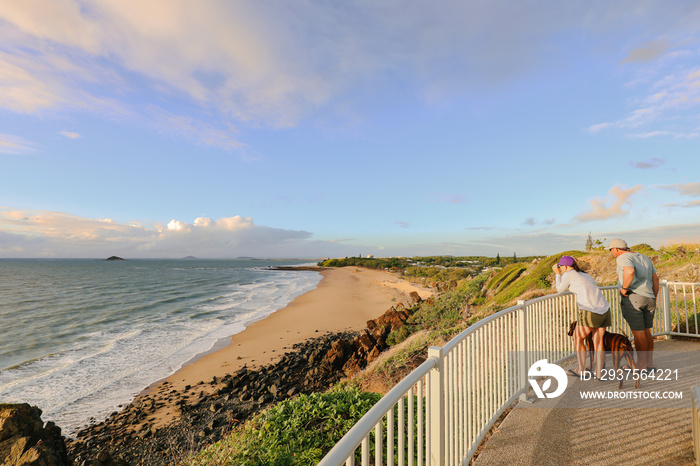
{"x": 345, "y": 299}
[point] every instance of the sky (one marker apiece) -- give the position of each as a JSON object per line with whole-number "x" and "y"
{"x": 309, "y": 129}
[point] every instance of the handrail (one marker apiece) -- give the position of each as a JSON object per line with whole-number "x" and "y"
{"x": 350, "y": 441}
{"x": 483, "y": 322}
{"x": 464, "y": 386}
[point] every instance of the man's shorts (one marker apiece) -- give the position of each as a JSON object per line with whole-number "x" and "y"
{"x": 591, "y": 319}
{"x": 638, "y": 311}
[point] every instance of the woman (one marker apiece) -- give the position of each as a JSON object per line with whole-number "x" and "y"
{"x": 594, "y": 311}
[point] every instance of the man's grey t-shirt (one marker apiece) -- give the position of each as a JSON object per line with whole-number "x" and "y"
{"x": 643, "y": 271}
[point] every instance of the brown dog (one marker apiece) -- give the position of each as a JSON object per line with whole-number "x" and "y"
{"x": 619, "y": 346}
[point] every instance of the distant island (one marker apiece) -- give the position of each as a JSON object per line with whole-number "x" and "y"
{"x": 189, "y": 257}
{"x": 114, "y": 258}
{"x": 245, "y": 257}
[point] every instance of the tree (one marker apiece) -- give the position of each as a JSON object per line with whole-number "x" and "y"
{"x": 515, "y": 259}
{"x": 589, "y": 243}
{"x": 498, "y": 259}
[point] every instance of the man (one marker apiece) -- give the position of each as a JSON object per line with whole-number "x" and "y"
{"x": 639, "y": 287}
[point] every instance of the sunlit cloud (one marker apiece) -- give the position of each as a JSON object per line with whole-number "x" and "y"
{"x": 684, "y": 205}
{"x": 647, "y": 52}
{"x": 10, "y": 144}
{"x": 69, "y": 134}
{"x": 275, "y": 65}
{"x": 685, "y": 189}
{"x": 611, "y": 206}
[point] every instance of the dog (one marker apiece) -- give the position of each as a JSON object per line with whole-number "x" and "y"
{"x": 617, "y": 345}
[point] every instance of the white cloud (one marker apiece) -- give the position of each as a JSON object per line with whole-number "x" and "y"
{"x": 55, "y": 234}
{"x": 663, "y": 105}
{"x": 177, "y": 225}
{"x": 611, "y": 206}
{"x": 69, "y": 134}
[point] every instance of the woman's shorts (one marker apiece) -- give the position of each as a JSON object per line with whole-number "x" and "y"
{"x": 638, "y": 311}
{"x": 591, "y": 319}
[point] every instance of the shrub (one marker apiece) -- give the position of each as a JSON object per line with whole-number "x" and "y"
{"x": 443, "y": 312}
{"x": 298, "y": 431}
{"x": 398, "y": 335}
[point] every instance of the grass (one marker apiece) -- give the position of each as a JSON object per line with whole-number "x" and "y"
{"x": 511, "y": 287}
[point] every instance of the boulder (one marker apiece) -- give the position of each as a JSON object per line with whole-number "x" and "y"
{"x": 415, "y": 297}
{"x": 25, "y": 440}
{"x": 336, "y": 357}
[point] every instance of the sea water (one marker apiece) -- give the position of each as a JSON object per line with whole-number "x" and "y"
{"x": 81, "y": 338}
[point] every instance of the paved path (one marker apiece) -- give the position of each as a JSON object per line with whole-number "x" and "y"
{"x": 571, "y": 431}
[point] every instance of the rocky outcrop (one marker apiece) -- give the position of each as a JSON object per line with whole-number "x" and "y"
{"x": 25, "y": 440}
{"x": 367, "y": 346}
{"x": 131, "y": 437}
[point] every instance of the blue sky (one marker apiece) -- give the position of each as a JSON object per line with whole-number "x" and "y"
{"x": 313, "y": 129}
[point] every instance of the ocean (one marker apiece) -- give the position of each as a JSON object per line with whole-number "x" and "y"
{"x": 81, "y": 338}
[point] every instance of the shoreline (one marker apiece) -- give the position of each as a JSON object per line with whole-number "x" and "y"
{"x": 344, "y": 300}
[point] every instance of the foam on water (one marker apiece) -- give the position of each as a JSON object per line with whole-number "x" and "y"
{"x": 108, "y": 353}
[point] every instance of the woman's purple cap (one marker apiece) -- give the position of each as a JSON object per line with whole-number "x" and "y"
{"x": 567, "y": 261}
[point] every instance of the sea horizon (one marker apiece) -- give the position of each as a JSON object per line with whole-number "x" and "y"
{"x": 81, "y": 337}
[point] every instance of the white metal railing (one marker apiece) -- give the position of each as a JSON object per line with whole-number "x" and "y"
{"x": 695, "y": 415}
{"x": 439, "y": 414}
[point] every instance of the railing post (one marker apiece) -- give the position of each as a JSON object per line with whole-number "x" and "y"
{"x": 666, "y": 304}
{"x": 437, "y": 410}
{"x": 522, "y": 348}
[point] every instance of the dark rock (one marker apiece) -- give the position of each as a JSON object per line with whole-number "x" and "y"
{"x": 311, "y": 366}
{"x": 415, "y": 297}
{"x": 24, "y": 440}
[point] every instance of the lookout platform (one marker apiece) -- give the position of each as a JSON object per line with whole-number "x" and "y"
{"x": 604, "y": 432}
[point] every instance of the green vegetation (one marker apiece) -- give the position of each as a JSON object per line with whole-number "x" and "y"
{"x": 438, "y": 274}
{"x": 396, "y": 366}
{"x": 303, "y": 429}
{"x": 297, "y": 431}
{"x": 474, "y": 264}
{"x": 368, "y": 262}
{"x": 594, "y": 244}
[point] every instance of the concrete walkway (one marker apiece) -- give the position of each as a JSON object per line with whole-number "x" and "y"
{"x": 571, "y": 431}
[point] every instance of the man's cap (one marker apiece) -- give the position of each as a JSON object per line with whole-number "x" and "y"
{"x": 567, "y": 261}
{"x": 617, "y": 243}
